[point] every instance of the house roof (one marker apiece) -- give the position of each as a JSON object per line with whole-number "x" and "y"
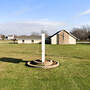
{"x": 11, "y": 35}
{"x": 29, "y": 38}
{"x": 64, "y": 31}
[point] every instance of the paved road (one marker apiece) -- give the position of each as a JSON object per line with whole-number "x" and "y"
{"x": 84, "y": 42}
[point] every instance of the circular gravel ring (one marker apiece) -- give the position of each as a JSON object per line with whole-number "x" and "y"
{"x": 36, "y": 65}
{"x": 39, "y": 62}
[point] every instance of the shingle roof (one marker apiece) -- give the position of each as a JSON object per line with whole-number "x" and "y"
{"x": 64, "y": 31}
{"x": 29, "y": 38}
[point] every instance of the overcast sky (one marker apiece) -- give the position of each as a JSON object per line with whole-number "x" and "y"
{"x": 27, "y": 16}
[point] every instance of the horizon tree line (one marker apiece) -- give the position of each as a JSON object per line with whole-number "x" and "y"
{"x": 81, "y": 33}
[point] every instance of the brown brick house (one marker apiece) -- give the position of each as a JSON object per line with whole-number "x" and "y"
{"x": 2, "y": 37}
{"x": 63, "y": 37}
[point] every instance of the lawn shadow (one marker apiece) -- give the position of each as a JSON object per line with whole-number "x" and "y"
{"x": 11, "y": 60}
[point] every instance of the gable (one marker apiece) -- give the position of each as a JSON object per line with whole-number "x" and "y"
{"x": 64, "y": 31}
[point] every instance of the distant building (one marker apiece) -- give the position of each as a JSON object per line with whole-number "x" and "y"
{"x": 29, "y": 40}
{"x": 2, "y": 37}
{"x": 11, "y": 37}
{"x": 63, "y": 37}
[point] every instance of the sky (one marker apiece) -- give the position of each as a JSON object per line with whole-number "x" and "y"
{"x": 22, "y": 17}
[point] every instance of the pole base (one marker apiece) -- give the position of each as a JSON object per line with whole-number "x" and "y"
{"x": 47, "y": 64}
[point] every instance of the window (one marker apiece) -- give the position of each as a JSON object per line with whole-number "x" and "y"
{"x": 63, "y": 36}
{"x": 32, "y": 41}
{"x": 23, "y": 41}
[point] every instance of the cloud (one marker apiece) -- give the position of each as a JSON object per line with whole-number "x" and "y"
{"x": 27, "y": 27}
{"x": 85, "y": 12}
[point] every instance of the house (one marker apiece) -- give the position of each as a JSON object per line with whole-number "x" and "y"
{"x": 2, "y": 37}
{"x": 11, "y": 37}
{"x": 29, "y": 40}
{"x": 63, "y": 37}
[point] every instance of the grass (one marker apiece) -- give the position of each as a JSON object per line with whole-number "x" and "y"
{"x": 72, "y": 74}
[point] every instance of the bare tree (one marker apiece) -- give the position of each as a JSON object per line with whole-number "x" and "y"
{"x": 82, "y": 33}
{"x": 35, "y": 34}
{"x": 46, "y": 33}
{"x": 3, "y": 37}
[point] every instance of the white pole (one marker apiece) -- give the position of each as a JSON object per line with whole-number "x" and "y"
{"x": 43, "y": 47}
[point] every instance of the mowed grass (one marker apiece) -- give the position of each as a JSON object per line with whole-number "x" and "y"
{"x": 73, "y": 72}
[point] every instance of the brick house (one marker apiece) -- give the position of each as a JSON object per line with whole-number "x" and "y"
{"x": 2, "y": 37}
{"x": 63, "y": 37}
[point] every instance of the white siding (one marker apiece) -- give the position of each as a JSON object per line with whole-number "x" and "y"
{"x": 20, "y": 41}
{"x": 10, "y": 37}
{"x": 37, "y": 41}
{"x": 29, "y": 41}
{"x": 54, "y": 39}
{"x": 72, "y": 40}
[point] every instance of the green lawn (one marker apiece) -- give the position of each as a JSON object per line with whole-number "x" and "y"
{"x": 72, "y": 74}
